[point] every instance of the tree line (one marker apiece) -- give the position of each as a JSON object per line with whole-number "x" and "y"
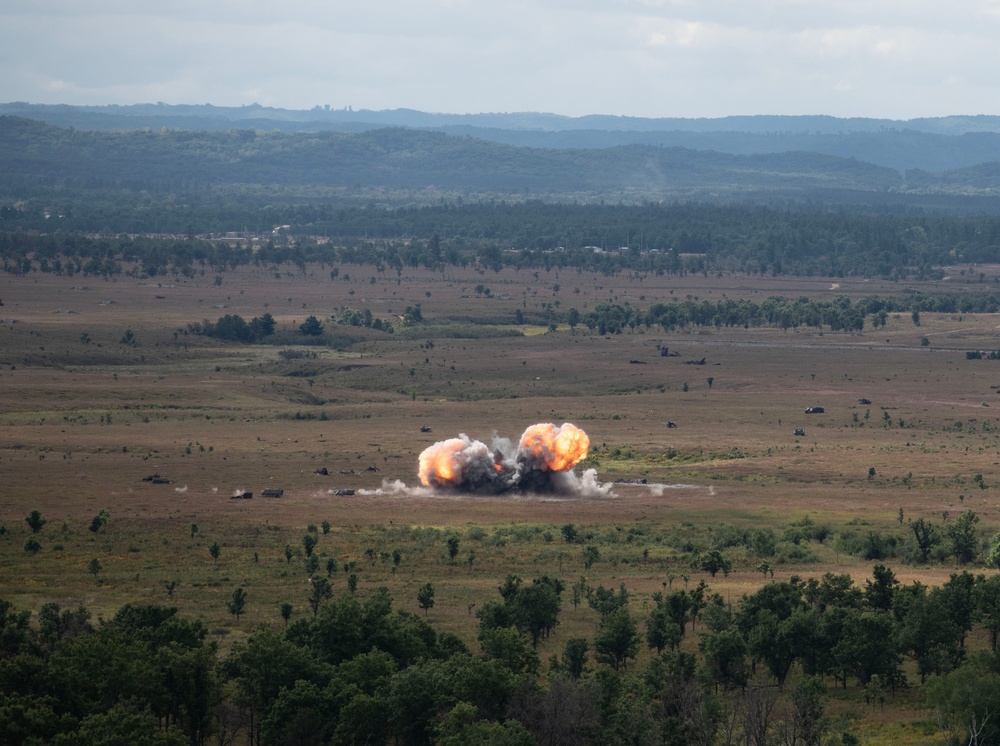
{"x": 839, "y": 313}
{"x": 654, "y": 239}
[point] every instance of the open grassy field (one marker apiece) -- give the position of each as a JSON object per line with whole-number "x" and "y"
{"x": 85, "y": 418}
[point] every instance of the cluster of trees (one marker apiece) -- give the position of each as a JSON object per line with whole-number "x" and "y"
{"x": 360, "y": 671}
{"x": 235, "y": 328}
{"x": 146, "y": 676}
{"x": 354, "y": 317}
{"x": 839, "y": 313}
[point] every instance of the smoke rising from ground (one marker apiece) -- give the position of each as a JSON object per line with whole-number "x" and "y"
{"x": 540, "y": 463}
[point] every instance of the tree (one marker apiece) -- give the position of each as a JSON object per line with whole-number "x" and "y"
{"x": 230, "y": 327}
{"x": 777, "y": 627}
{"x": 756, "y": 712}
{"x": 713, "y": 560}
{"x": 262, "y": 326}
{"x": 286, "y": 612}
{"x": 321, "y": 591}
{"x": 591, "y": 554}
{"x": 123, "y": 723}
{"x": 32, "y": 545}
{"x": 569, "y": 533}
{"x": 993, "y": 554}
{"x": 605, "y": 600}
{"x": 725, "y": 653}
{"x": 687, "y": 710}
{"x": 575, "y": 656}
{"x": 698, "y": 598}
{"x": 963, "y": 535}
{"x": 927, "y": 632}
{"x": 100, "y": 521}
{"x": 461, "y": 726}
{"x": 311, "y": 327}
{"x": 94, "y": 567}
{"x": 35, "y": 521}
{"x": 967, "y": 701}
{"x": 926, "y": 535}
{"x": 260, "y": 667}
{"x": 667, "y": 621}
{"x": 510, "y": 649}
{"x": 868, "y": 646}
{"x": 534, "y": 608}
{"x": 958, "y": 597}
{"x": 617, "y": 639}
{"x": 312, "y": 565}
{"x": 660, "y": 631}
{"x": 425, "y": 597}
{"x": 237, "y": 603}
{"x": 807, "y": 724}
{"x": 881, "y": 588}
{"x": 452, "y": 548}
{"x": 215, "y": 550}
{"x": 987, "y": 598}
{"x": 303, "y": 714}
{"x": 169, "y": 586}
{"x": 309, "y": 543}
{"x": 573, "y": 318}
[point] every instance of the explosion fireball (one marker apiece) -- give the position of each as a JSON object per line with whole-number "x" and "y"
{"x": 542, "y": 462}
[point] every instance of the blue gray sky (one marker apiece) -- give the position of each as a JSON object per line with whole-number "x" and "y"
{"x": 897, "y": 59}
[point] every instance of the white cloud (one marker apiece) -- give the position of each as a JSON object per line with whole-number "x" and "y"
{"x": 896, "y": 58}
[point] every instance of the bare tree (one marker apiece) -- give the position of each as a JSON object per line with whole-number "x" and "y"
{"x": 758, "y": 710}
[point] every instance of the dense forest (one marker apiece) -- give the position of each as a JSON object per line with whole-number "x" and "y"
{"x": 357, "y": 671}
{"x": 607, "y": 239}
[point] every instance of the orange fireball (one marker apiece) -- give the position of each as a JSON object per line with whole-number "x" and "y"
{"x": 556, "y": 448}
{"x": 440, "y": 465}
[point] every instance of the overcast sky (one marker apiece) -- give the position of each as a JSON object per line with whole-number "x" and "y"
{"x": 660, "y": 58}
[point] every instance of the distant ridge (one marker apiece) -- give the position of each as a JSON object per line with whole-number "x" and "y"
{"x": 927, "y": 144}
{"x": 325, "y": 118}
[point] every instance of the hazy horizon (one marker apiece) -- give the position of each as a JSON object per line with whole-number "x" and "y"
{"x": 884, "y": 59}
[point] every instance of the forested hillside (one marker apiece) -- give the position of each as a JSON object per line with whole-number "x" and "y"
{"x": 929, "y": 144}
{"x": 34, "y": 154}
